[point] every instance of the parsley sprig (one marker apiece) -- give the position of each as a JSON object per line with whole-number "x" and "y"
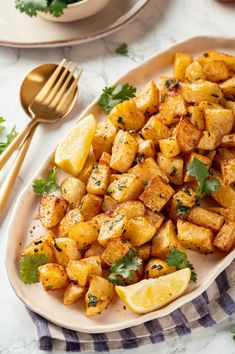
{"x": 180, "y": 260}
{"x": 122, "y": 49}
{"x": 29, "y": 267}
{"x": 111, "y": 96}
{"x": 199, "y": 170}
{"x": 43, "y": 186}
{"x": 9, "y": 137}
{"x": 124, "y": 268}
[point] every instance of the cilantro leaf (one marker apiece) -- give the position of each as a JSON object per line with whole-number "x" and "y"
{"x": 111, "y": 96}
{"x": 11, "y": 136}
{"x": 211, "y": 185}
{"x": 122, "y": 49}
{"x": 124, "y": 268}
{"x": 180, "y": 260}
{"x": 181, "y": 209}
{"x": 43, "y": 186}
{"x": 29, "y": 267}
{"x": 31, "y": 7}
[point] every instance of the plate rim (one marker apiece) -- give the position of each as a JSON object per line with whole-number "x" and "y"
{"x": 75, "y": 41}
{"x": 9, "y": 263}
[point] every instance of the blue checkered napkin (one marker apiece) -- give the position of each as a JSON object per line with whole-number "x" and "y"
{"x": 213, "y": 306}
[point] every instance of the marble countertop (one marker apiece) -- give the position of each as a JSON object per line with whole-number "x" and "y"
{"x": 162, "y": 23}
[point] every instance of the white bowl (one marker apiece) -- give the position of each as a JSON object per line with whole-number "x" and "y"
{"x": 77, "y": 11}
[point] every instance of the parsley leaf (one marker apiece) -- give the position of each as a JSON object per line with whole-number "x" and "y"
{"x": 123, "y": 269}
{"x": 11, "y": 136}
{"x": 111, "y": 96}
{"x": 42, "y": 186}
{"x": 180, "y": 260}
{"x": 29, "y": 267}
{"x": 32, "y": 7}
{"x": 199, "y": 170}
{"x": 93, "y": 301}
{"x": 122, "y": 49}
{"x": 181, "y": 209}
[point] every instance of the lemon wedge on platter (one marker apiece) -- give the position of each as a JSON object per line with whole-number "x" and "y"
{"x": 151, "y": 294}
{"x": 71, "y": 153}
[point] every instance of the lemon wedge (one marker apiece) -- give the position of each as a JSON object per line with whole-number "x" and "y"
{"x": 152, "y": 294}
{"x": 71, "y": 153}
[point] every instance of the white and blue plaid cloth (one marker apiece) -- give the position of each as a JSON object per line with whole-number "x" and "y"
{"x": 211, "y": 307}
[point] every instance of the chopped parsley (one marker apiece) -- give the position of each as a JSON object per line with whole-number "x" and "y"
{"x": 172, "y": 84}
{"x": 180, "y": 260}
{"x": 46, "y": 186}
{"x": 181, "y": 209}
{"x": 9, "y": 137}
{"x": 111, "y": 96}
{"x": 122, "y": 49}
{"x": 93, "y": 301}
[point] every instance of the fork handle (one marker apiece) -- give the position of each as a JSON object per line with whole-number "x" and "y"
{"x": 16, "y": 142}
{"x": 6, "y": 188}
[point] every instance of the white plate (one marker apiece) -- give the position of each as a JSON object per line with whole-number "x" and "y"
{"x": 38, "y": 32}
{"x": 49, "y": 304}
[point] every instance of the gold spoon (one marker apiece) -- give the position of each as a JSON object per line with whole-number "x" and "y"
{"x": 31, "y": 88}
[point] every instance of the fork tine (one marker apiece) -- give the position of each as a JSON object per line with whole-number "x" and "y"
{"x": 50, "y": 82}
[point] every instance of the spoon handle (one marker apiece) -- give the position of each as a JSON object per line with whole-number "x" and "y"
{"x": 16, "y": 142}
{"x": 6, "y": 188}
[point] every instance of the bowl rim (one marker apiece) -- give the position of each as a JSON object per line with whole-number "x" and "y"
{"x": 79, "y": 3}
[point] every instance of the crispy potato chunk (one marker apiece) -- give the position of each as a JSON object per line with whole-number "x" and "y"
{"x": 169, "y": 147}
{"x": 219, "y": 121}
{"x": 201, "y": 90}
{"x": 100, "y": 293}
{"x": 108, "y": 203}
{"x": 208, "y": 141}
{"x": 53, "y": 276}
{"x": 195, "y": 237}
{"x": 87, "y": 169}
{"x": 99, "y": 179}
{"x": 94, "y": 250}
{"x": 52, "y": 210}
{"x": 84, "y": 233}
{"x": 228, "y": 214}
{"x": 90, "y": 206}
{"x": 212, "y": 55}
{"x": 99, "y": 219}
{"x": 103, "y": 138}
{"x": 228, "y": 171}
{"x": 156, "y": 194}
{"x": 126, "y": 187}
{"x": 225, "y": 239}
{"x": 165, "y": 240}
{"x": 41, "y": 245}
{"x": 147, "y": 99}
{"x": 194, "y": 71}
{"x": 73, "y": 189}
{"x": 123, "y": 151}
{"x": 65, "y": 249}
{"x": 139, "y": 231}
{"x": 147, "y": 170}
{"x": 155, "y": 130}
{"x": 144, "y": 251}
{"x": 182, "y": 60}
{"x": 172, "y": 108}
{"x": 206, "y": 218}
{"x": 182, "y": 202}
{"x": 73, "y": 217}
{"x": 80, "y": 271}
{"x": 72, "y": 294}
{"x": 197, "y": 117}
{"x": 105, "y": 159}
{"x": 228, "y": 140}
{"x": 115, "y": 250}
{"x": 145, "y": 148}
{"x": 225, "y": 196}
{"x": 228, "y": 88}
{"x": 216, "y": 71}
{"x": 173, "y": 168}
{"x": 126, "y": 116}
{"x": 111, "y": 229}
{"x": 155, "y": 219}
{"x": 187, "y": 136}
{"x": 156, "y": 267}
{"x": 130, "y": 209}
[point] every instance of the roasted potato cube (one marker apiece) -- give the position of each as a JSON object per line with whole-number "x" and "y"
{"x": 103, "y": 138}
{"x": 95, "y": 262}
{"x": 228, "y": 88}
{"x": 139, "y": 231}
{"x": 209, "y": 105}
{"x": 105, "y": 159}
{"x": 126, "y": 187}
{"x": 195, "y": 237}
{"x": 225, "y": 196}
{"x": 155, "y": 130}
{"x": 197, "y": 117}
{"x": 228, "y": 171}
{"x": 52, "y": 210}
{"x": 145, "y": 148}
{"x": 165, "y": 240}
{"x": 126, "y": 116}
{"x": 201, "y": 90}
{"x": 204, "y": 159}
{"x": 53, "y": 276}
{"x": 219, "y": 121}
{"x": 169, "y": 147}
{"x": 72, "y": 294}
{"x": 130, "y": 209}
{"x": 155, "y": 219}
{"x": 168, "y": 85}
{"x": 65, "y": 249}
{"x": 100, "y": 293}
{"x": 216, "y": 71}
{"x": 172, "y": 108}
{"x": 144, "y": 251}
{"x": 99, "y": 180}
{"x": 90, "y": 206}
{"x": 94, "y": 250}
{"x": 182, "y": 60}
{"x": 194, "y": 71}
{"x": 228, "y": 140}
{"x": 84, "y": 233}
{"x": 73, "y": 189}
{"x": 182, "y": 202}
{"x": 231, "y": 105}
{"x": 228, "y": 214}
{"x": 212, "y": 55}
{"x": 148, "y": 170}
{"x": 156, "y": 267}
{"x": 108, "y": 203}
{"x": 156, "y": 194}
{"x": 208, "y": 141}
{"x": 69, "y": 220}
{"x": 87, "y": 169}
{"x": 123, "y": 151}
{"x": 111, "y": 229}
{"x": 173, "y": 168}
{"x": 225, "y": 239}
{"x": 41, "y": 245}
{"x": 206, "y": 218}
{"x": 80, "y": 271}
{"x": 115, "y": 250}
{"x": 99, "y": 219}
{"x": 147, "y": 99}
{"x": 187, "y": 135}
